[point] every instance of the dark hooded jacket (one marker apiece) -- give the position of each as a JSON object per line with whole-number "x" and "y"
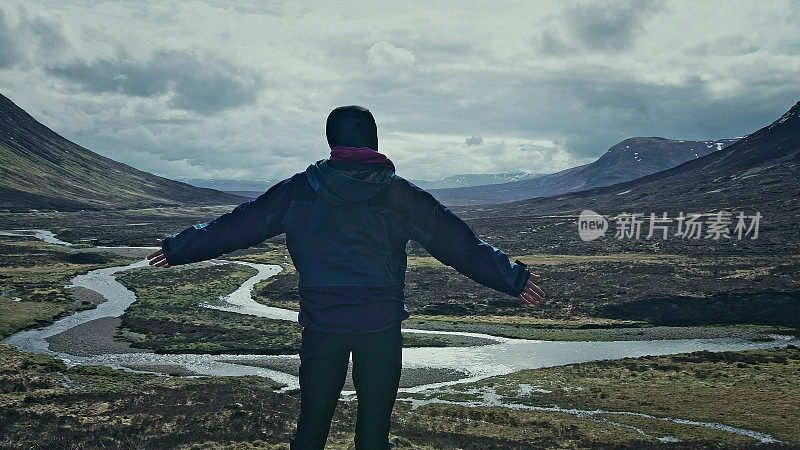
{"x": 347, "y": 226}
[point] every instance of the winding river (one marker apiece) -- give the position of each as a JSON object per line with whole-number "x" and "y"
{"x": 501, "y": 356}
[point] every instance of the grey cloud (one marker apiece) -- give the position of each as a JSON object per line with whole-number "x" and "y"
{"x": 30, "y": 39}
{"x": 473, "y": 140}
{"x": 551, "y": 44}
{"x": 10, "y": 52}
{"x": 203, "y": 85}
{"x": 575, "y": 108}
{"x": 597, "y": 27}
{"x": 51, "y": 40}
{"x": 385, "y": 55}
{"x": 455, "y": 85}
{"x": 170, "y": 121}
{"x": 594, "y": 118}
{"x": 610, "y": 27}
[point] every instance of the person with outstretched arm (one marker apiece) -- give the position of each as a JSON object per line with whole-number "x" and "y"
{"x": 347, "y": 221}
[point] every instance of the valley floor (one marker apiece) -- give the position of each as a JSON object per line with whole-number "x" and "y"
{"x": 689, "y": 400}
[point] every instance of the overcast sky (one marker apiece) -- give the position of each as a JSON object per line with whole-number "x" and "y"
{"x": 207, "y": 90}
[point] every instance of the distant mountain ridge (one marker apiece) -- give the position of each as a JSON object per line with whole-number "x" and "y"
{"x": 630, "y": 159}
{"x": 40, "y": 169}
{"x": 253, "y": 188}
{"x": 231, "y": 185}
{"x": 474, "y": 179}
{"x": 759, "y": 172}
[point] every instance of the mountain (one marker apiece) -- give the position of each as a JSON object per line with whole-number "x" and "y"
{"x": 760, "y": 172}
{"x": 243, "y": 188}
{"x": 39, "y": 169}
{"x": 231, "y": 185}
{"x": 474, "y": 179}
{"x": 630, "y": 159}
{"x": 251, "y": 188}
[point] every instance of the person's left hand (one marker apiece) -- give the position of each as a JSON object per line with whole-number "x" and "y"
{"x": 532, "y": 294}
{"x": 158, "y": 258}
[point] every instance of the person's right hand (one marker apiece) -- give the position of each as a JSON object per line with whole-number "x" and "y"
{"x": 531, "y": 294}
{"x": 158, "y": 258}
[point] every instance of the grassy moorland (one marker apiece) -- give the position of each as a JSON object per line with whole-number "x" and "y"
{"x": 603, "y": 297}
{"x": 139, "y": 227}
{"x": 167, "y": 316}
{"x": 45, "y": 405}
{"x": 736, "y": 289}
{"x": 707, "y": 282}
{"x": 634, "y": 402}
{"x": 579, "y": 406}
{"x": 618, "y": 290}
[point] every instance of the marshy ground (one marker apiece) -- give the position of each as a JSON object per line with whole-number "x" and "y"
{"x": 642, "y": 401}
{"x": 617, "y": 291}
{"x": 33, "y": 275}
{"x": 631, "y": 403}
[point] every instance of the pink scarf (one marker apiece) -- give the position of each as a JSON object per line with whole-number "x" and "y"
{"x": 359, "y": 155}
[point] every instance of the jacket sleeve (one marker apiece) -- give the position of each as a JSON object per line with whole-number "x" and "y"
{"x": 452, "y": 242}
{"x": 248, "y": 224}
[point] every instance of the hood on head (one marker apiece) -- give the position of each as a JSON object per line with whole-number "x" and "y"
{"x": 344, "y": 186}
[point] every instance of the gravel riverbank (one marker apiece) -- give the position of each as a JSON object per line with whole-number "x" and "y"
{"x": 603, "y": 334}
{"x": 409, "y": 377}
{"x": 92, "y": 338}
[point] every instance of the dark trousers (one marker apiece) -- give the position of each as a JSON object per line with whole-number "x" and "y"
{"x": 323, "y": 368}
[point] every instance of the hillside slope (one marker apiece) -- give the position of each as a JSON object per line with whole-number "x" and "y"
{"x": 630, "y": 159}
{"x": 39, "y": 169}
